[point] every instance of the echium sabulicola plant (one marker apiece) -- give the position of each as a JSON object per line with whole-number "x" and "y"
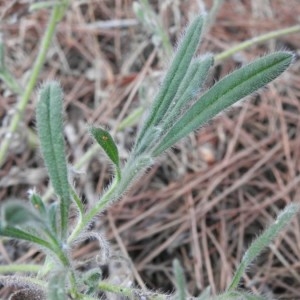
{"x": 180, "y": 107}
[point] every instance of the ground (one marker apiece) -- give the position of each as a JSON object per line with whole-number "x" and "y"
{"x": 203, "y": 202}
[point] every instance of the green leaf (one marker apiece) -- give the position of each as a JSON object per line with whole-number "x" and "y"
{"x": 38, "y": 204}
{"x": 189, "y": 87}
{"x": 16, "y": 213}
{"x": 22, "y": 235}
{"x": 105, "y": 140}
{"x": 180, "y": 281}
{"x": 57, "y": 286}
{"x": 263, "y": 241}
{"x": 49, "y": 115}
{"x": 226, "y": 92}
{"x": 91, "y": 279}
{"x": 174, "y": 77}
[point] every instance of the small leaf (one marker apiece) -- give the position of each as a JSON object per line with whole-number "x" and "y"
{"x": 263, "y": 241}
{"x": 226, "y": 92}
{"x": 105, "y": 140}
{"x": 50, "y": 130}
{"x": 38, "y": 204}
{"x": 16, "y": 213}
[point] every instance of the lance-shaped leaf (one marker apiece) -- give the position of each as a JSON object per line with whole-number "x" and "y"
{"x": 105, "y": 140}
{"x": 16, "y": 233}
{"x": 226, "y": 92}
{"x": 49, "y": 115}
{"x": 174, "y": 76}
{"x": 264, "y": 240}
{"x": 187, "y": 90}
{"x": 190, "y": 86}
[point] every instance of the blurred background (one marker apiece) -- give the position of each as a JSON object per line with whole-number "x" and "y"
{"x": 208, "y": 198}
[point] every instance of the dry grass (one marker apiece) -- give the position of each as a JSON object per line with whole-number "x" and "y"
{"x": 207, "y": 199}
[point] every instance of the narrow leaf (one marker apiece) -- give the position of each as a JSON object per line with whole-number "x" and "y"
{"x": 105, "y": 140}
{"x": 22, "y": 235}
{"x": 190, "y": 86}
{"x": 226, "y": 92}
{"x": 50, "y": 130}
{"x": 263, "y": 241}
{"x": 174, "y": 76}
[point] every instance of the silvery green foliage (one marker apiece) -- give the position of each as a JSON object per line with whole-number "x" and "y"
{"x": 180, "y": 107}
{"x": 49, "y": 119}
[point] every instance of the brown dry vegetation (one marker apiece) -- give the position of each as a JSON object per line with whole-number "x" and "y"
{"x": 204, "y": 202}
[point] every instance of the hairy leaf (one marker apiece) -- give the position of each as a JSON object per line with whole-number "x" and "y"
{"x": 226, "y": 92}
{"x": 50, "y": 130}
{"x": 263, "y": 241}
{"x": 174, "y": 76}
{"x": 105, "y": 140}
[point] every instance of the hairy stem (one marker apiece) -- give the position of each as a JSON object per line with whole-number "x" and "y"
{"x": 129, "y": 292}
{"x": 21, "y": 106}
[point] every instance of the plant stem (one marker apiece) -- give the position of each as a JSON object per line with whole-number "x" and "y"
{"x": 83, "y": 222}
{"x": 21, "y": 106}
{"x": 32, "y": 268}
{"x": 129, "y": 292}
{"x": 132, "y": 170}
{"x": 256, "y": 40}
{"x": 213, "y": 12}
